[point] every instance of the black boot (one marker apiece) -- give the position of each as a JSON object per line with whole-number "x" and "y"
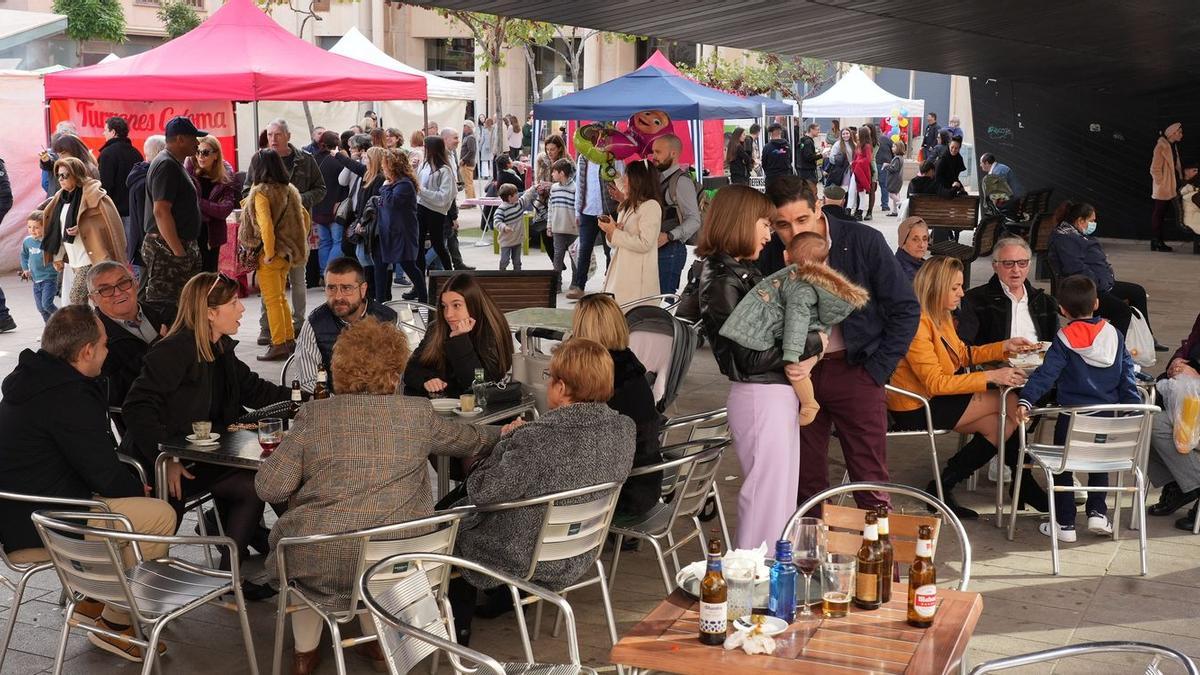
{"x": 1160, "y": 245}
{"x": 1171, "y": 499}
{"x": 1032, "y": 494}
{"x": 1188, "y": 522}
{"x": 949, "y": 480}
{"x": 858, "y": 214}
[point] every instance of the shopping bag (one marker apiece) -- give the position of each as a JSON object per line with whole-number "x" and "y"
{"x": 1139, "y": 340}
{"x": 1181, "y": 395}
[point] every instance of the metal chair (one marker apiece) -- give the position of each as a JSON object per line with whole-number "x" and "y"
{"x": 413, "y": 318}
{"x": 375, "y": 544}
{"x": 711, "y": 424}
{"x": 1108, "y": 442}
{"x": 291, "y": 371}
{"x": 689, "y": 479}
{"x": 1158, "y": 652}
{"x": 667, "y": 301}
{"x": 412, "y": 624}
{"x": 154, "y": 592}
{"x": 575, "y": 523}
{"x": 893, "y": 488}
{"x": 929, "y": 433}
{"x": 26, "y": 570}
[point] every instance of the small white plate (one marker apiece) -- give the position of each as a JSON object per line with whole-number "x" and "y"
{"x": 211, "y": 440}
{"x": 771, "y": 626}
{"x": 444, "y": 405}
{"x": 461, "y": 413}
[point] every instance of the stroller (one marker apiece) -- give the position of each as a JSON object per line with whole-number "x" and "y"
{"x": 665, "y": 346}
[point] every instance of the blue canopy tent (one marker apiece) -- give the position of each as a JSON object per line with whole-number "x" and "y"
{"x": 773, "y": 106}
{"x": 651, "y": 87}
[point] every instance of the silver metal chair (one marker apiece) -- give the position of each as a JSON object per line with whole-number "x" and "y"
{"x": 1100, "y": 439}
{"x": 375, "y": 544}
{"x": 413, "y": 319}
{"x": 291, "y": 371}
{"x": 575, "y": 523}
{"x": 154, "y": 592}
{"x": 667, "y": 301}
{"x": 1157, "y": 652}
{"x": 412, "y": 624}
{"x": 711, "y": 424}
{"x": 929, "y": 433}
{"x": 26, "y": 570}
{"x": 689, "y": 479}
{"x": 896, "y": 489}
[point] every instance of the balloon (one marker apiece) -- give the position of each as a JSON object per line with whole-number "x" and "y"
{"x": 904, "y": 112}
{"x": 903, "y": 123}
{"x": 895, "y": 138}
{"x": 895, "y": 113}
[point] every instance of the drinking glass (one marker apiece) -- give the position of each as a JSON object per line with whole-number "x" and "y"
{"x": 839, "y": 569}
{"x": 808, "y": 543}
{"x": 739, "y": 580}
{"x": 270, "y": 434}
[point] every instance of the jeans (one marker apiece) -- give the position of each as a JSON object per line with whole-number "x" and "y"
{"x": 1064, "y": 502}
{"x": 883, "y": 197}
{"x": 433, "y": 228}
{"x": 43, "y": 297}
{"x": 417, "y": 276}
{"x": 671, "y": 258}
{"x": 383, "y": 276}
{"x": 512, "y": 253}
{"x": 589, "y": 228}
{"x": 562, "y": 242}
{"x": 330, "y": 246}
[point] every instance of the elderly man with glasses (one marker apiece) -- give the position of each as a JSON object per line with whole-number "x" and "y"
{"x": 1008, "y": 305}
{"x": 345, "y": 303}
{"x": 130, "y": 326}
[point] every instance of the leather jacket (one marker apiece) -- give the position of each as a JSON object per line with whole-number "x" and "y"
{"x": 724, "y": 281}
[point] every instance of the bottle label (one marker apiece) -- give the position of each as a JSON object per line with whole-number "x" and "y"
{"x": 925, "y": 548}
{"x": 925, "y": 601}
{"x": 883, "y": 527}
{"x": 713, "y": 617}
{"x": 871, "y": 532}
{"x": 866, "y": 587}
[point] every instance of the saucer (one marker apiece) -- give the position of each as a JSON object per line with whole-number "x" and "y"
{"x": 461, "y": 413}
{"x": 211, "y": 440}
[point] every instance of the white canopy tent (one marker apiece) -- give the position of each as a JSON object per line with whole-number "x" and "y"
{"x": 447, "y": 100}
{"x": 856, "y": 95}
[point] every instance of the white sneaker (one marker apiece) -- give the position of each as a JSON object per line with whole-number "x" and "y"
{"x": 1066, "y": 534}
{"x": 1099, "y": 525}
{"x": 1080, "y": 495}
{"x": 992, "y": 464}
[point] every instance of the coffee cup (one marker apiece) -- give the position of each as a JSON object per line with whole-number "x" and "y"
{"x": 466, "y": 402}
{"x": 202, "y": 430}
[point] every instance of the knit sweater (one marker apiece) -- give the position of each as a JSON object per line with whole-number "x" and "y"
{"x": 561, "y": 217}
{"x": 509, "y": 219}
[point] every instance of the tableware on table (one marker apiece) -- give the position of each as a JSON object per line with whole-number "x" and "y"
{"x": 839, "y": 569}
{"x": 808, "y": 544}
{"x": 771, "y": 625}
{"x": 466, "y": 401}
{"x": 444, "y": 406}
{"x": 688, "y": 578}
{"x": 270, "y": 434}
{"x": 202, "y": 429}
{"x": 465, "y": 413}
{"x": 210, "y": 440}
{"x": 739, "y": 581}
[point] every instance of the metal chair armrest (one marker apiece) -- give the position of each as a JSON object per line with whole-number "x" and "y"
{"x": 716, "y": 446}
{"x": 691, "y": 420}
{"x": 135, "y": 465}
{"x": 917, "y": 397}
{"x": 544, "y": 499}
{"x": 1068, "y": 651}
{"x": 55, "y": 501}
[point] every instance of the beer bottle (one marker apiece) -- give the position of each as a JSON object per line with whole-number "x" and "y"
{"x": 922, "y": 593}
{"x": 321, "y": 388}
{"x": 888, "y": 554}
{"x": 294, "y": 408}
{"x": 870, "y": 566}
{"x": 479, "y": 388}
{"x": 714, "y": 622}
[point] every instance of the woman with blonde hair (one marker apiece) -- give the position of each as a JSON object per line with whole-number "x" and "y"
{"x": 218, "y": 190}
{"x": 367, "y": 437}
{"x": 82, "y": 226}
{"x": 363, "y": 231}
{"x": 193, "y": 374}
{"x": 275, "y": 222}
{"x": 416, "y": 148}
{"x": 938, "y": 367}
{"x": 764, "y": 413}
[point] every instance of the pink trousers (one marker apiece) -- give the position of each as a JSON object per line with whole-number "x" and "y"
{"x": 764, "y": 420}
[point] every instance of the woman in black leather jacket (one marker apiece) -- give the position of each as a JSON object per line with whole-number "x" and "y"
{"x": 763, "y": 410}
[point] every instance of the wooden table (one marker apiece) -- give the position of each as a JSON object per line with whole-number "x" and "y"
{"x": 862, "y": 642}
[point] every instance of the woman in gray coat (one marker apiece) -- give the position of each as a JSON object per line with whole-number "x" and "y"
{"x": 580, "y": 442}
{"x": 357, "y": 460}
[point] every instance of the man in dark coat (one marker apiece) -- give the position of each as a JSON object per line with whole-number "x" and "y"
{"x": 1008, "y": 305}
{"x": 776, "y": 155}
{"x": 930, "y": 138}
{"x": 117, "y": 159}
{"x": 806, "y": 153}
{"x": 130, "y": 327}
{"x": 6, "y": 201}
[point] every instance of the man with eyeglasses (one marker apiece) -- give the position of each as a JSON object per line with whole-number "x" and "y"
{"x": 345, "y": 302}
{"x": 1008, "y": 306}
{"x": 130, "y": 326}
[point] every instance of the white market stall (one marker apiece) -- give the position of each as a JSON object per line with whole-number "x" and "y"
{"x": 856, "y": 95}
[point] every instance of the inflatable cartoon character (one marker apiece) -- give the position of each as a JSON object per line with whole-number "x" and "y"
{"x": 646, "y": 127}
{"x": 604, "y": 143}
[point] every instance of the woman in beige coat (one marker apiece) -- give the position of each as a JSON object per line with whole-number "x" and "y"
{"x": 82, "y": 225}
{"x": 633, "y": 272}
{"x": 1165, "y": 174}
{"x": 357, "y": 460}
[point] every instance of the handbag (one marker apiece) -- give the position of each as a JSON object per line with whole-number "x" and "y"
{"x": 504, "y": 392}
{"x": 246, "y": 257}
{"x": 363, "y": 228}
{"x": 345, "y": 213}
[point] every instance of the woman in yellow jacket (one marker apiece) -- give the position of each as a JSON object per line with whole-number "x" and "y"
{"x": 275, "y": 220}
{"x": 937, "y": 367}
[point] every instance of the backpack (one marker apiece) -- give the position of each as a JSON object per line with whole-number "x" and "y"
{"x": 702, "y": 196}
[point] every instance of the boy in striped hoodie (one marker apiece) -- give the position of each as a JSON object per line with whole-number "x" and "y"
{"x": 561, "y": 217}
{"x": 509, "y": 221}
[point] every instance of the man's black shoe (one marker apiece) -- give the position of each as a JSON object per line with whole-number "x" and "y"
{"x": 1172, "y": 499}
{"x": 7, "y": 324}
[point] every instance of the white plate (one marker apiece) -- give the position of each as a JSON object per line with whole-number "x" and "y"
{"x": 444, "y": 405}
{"x": 772, "y": 625}
{"x": 459, "y": 411}
{"x": 211, "y": 440}
{"x": 687, "y": 580}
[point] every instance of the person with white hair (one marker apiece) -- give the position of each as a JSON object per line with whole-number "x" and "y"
{"x": 1008, "y": 305}
{"x": 956, "y": 132}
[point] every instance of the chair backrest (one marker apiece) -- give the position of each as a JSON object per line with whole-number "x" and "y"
{"x": 38, "y": 501}
{"x": 986, "y": 235}
{"x": 291, "y": 371}
{"x": 1107, "y": 433}
{"x": 413, "y": 319}
{"x": 846, "y": 527}
{"x": 89, "y": 568}
{"x": 958, "y": 212}
{"x": 711, "y": 424}
{"x": 1039, "y": 234}
{"x": 508, "y": 290}
{"x": 688, "y": 473}
{"x": 666, "y": 301}
{"x": 891, "y": 488}
{"x": 1157, "y": 652}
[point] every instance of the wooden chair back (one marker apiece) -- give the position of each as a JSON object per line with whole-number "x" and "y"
{"x": 846, "y": 530}
{"x": 508, "y": 290}
{"x": 958, "y": 213}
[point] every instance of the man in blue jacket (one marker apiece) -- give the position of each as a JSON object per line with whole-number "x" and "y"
{"x": 863, "y": 350}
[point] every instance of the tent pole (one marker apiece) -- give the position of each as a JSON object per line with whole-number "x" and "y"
{"x": 425, "y": 113}
{"x": 256, "y": 127}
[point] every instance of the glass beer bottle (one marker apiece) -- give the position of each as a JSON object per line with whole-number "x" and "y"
{"x": 321, "y": 388}
{"x": 922, "y": 591}
{"x": 885, "y": 549}
{"x": 870, "y": 566}
{"x": 714, "y": 621}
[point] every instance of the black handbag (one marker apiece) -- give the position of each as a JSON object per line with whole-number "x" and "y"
{"x": 363, "y": 228}
{"x": 504, "y": 392}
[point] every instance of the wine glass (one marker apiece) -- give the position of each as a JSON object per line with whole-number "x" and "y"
{"x": 808, "y": 544}
{"x": 270, "y": 434}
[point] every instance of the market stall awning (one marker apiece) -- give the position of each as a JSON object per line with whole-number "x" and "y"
{"x": 856, "y": 95}
{"x": 355, "y": 45}
{"x": 18, "y": 28}
{"x": 774, "y": 106}
{"x": 238, "y": 54}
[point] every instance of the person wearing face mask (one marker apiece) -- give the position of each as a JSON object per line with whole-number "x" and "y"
{"x": 1074, "y": 250}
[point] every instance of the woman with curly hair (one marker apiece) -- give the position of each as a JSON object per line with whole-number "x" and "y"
{"x": 399, "y": 231}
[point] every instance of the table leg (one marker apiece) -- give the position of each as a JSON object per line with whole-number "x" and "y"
{"x": 1000, "y": 457}
{"x": 160, "y": 475}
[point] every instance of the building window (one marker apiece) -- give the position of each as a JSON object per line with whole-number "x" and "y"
{"x": 327, "y": 42}
{"x": 450, "y": 56}
{"x": 554, "y": 77}
{"x": 320, "y": 5}
{"x": 675, "y": 51}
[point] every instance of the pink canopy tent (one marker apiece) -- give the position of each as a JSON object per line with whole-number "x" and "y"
{"x": 238, "y": 54}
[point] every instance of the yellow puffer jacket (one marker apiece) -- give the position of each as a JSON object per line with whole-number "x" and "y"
{"x": 933, "y": 358}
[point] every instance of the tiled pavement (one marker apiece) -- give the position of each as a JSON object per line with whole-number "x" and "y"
{"x": 1099, "y": 595}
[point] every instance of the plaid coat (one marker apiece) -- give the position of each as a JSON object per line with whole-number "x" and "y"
{"x": 350, "y": 462}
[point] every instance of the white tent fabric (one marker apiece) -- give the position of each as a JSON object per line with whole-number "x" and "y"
{"x": 856, "y": 95}
{"x": 356, "y": 46}
{"x": 22, "y": 135}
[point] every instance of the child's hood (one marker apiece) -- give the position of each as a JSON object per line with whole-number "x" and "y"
{"x": 829, "y": 279}
{"x": 1094, "y": 340}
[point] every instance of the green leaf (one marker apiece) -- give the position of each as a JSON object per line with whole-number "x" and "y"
{"x": 178, "y": 17}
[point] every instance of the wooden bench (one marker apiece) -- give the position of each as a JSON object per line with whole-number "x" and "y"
{"x": 949, "y": 213}
{"x": 509, "y": 290}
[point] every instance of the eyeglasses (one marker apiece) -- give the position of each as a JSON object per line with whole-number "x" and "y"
{"x": 546, "y": 375}
{"x": 341, "y": 289}
{"x": 205, "y": 153}
{"x": 109, "y": 291}
{"x": 1009, "y": 264}
{"x": 220, "y": 277}
{"x": 64, "y": 176}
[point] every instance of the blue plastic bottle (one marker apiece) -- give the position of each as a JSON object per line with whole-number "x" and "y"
{"x": 782, "y": 603}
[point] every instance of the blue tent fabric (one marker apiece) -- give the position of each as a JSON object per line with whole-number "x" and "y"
{"x": 649, "y": 88}
{"x": 774, "y": 107}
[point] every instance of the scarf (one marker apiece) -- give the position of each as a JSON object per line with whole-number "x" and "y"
{"x": 55, "y": 234}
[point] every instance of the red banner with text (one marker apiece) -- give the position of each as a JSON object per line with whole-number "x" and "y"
{"x": 146, "y": 118}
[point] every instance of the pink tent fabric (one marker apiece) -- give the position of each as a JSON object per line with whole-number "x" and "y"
{"x": 714, "y": 130}
{"x": 238, "y": 54}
